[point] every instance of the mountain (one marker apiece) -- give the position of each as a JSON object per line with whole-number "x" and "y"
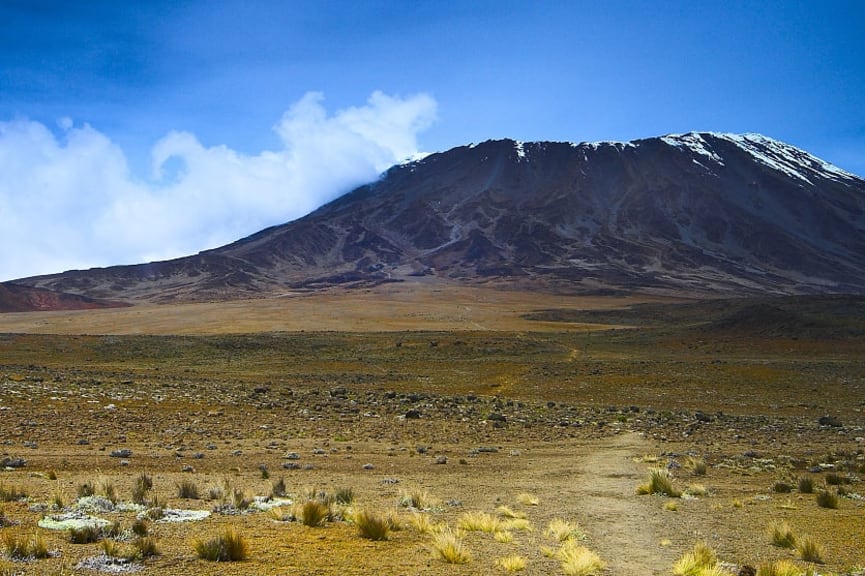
{"x": 703, "y": 213}
{"x": 18, "y": 298}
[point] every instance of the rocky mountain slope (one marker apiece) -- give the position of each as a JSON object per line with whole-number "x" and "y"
{"x": 701, "y": 213}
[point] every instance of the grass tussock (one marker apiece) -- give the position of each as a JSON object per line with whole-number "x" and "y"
{"x": 806, "y": 485}
{"x": 20, "y": 547}
{"x": 417, "y": 499}
{"x": 697, "y": 491}
{"x": 229, "y": 546}
{"x": 521, "y": 524}
{"x": 809, "y": 550}
{"x": 479, "y": 522}
{"x": 372, "y": 526}
{"x": 314, "y": 513}
{"x": 660, "y": 482}
{"x": 503, "y": 536}
{"x": 695, "y": 465}
{"x": 782, "y": 535}
{"x": 11, "y": 493}
{"x": 140, "y": 487}
{"x": 779, "y": 568}
{"x": 85, "y": 534}
{"x": 188, "y": 490}
{"x": 563, "y": 530}
{"x": 826, "y": 499}
{"x": 698, "y": 562}
{"x": 147, "y": 547}
{"x": 423, "y": 524}
{"x": 577, "y": 560}
{"x": 512, "y": 563}
{"x": 449, "y": 547}
{"x": 507, "y": 512}
{"x": 527, "y": 499}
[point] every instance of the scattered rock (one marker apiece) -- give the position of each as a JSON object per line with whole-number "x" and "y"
{"x": 747, "y": 571}
{"x": 13, "y": 463}
{"x": 412, "y": 414}
{"x": 441, "y": 460}
{"x": 368, "y": 467}
{"x": 832, "y": 421}
{"x": 121, "y": 453}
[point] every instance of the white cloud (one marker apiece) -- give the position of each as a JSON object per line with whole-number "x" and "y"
{"x": 68, "y": 199}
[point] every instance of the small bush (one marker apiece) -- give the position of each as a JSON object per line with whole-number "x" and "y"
{"x": 417, "y": 499}
{"x": 809, "y": 550}
{"x": 512, "y": 563}
{"x": 826, "y": 499}
{"x": 577, "y": 560}
{"x": 314, "y": 513}
{"x": 227, "y": 547}
{"x": 372, "y": 526}
{"x": 806, "y": 485}
{"x": 143, "y": 483}
{"x": 671, "y": 506}
{"x": 86, "y": 489}
{"x": 107, "y": 489}
{"x": 19, "y": 547}
{"x": 835, "y": 479}
{"x": 660, "y": 482}
{"x": 697, "y": 490}
{"x": 188, "y": 490}
{"x": 782, "y": 487}
{"x": 782, "y": 535}
{"x": 448, "y": 547}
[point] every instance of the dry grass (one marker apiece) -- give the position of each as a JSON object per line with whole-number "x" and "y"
{"x": 507, "y": 512}
{"x": 314, "y": 513}
{"x": 827, "y": 499}
{"x": 512, "y": 563}
{"x": 577, "y": 560}
{"x": 695, "y": 465}
{"x": 696, "y": 562}
{"x": 779, "y": 568}
{"x": 479, "y": 522}
{"x": 417, "y": 499}
{"x": 229, "y": 546}
{"x": 809, "y": 549}
{"x": 527, "y": 499}
{"x": 782, "y": 535}
{"x": 660, "y": 482}
{"x": 562, "y": 530}
{"x": 21, "y": 547}
{"x": 449, "y": 547}
{"x": 372, "y": 526}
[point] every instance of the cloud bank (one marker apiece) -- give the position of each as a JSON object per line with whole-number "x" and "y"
{"x": 68, "y": 198}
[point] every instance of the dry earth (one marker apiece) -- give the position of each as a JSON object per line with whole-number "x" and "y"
{"x": 570, "y": 414}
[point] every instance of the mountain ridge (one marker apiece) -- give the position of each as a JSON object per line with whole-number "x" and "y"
{"x": 700, "y": 212}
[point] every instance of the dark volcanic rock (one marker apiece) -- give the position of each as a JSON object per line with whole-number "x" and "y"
{"x": 711, "y": 213}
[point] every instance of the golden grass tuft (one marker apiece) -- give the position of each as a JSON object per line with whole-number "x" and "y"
{"x": 504, "y": 536}
{"x": 479, "y": 522}
{"x": 314, "y": 513}
{"x": 695, "y": 465}
{"x": 417, "y": 499}
{"x": 229, "y": 546}
{"x": 563, "y": 530}
{"x": 660, "y": 482}
{"x": 20, "y": 547}
{"x": 696, "y": 562}
{"x": 372, "y": 526}
{"x": 512, "y": 563}
{"x": 448, "y": 547}
{"x": 577, "y": 560}
{"x": 779, "y": 568}
{"x": 782, "y": 535}
{"x": 507, "y": 512}
{"x": 423, "y": 524}
{"x": 826, "y": 499}
{"x": 809, "y": 549}
{"x": 527, "y": 499}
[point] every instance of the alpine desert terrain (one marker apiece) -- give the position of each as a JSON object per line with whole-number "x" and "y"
{"x": 520, "y": 425}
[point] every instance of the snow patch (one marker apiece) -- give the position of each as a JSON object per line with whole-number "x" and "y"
{"x": 264, "y": 503}
{"x": 521, "y": 153}
{"x": 693, "y": 142}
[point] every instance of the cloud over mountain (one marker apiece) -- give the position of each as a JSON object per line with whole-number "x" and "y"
{"x": 69, "y": 200}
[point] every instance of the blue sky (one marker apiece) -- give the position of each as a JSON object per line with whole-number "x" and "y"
{"x": 144, "y": 130}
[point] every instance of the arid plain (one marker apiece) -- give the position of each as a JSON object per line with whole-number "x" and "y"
{"x": 499, "y": 415}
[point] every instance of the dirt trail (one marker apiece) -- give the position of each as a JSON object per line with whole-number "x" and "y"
{"x": 626, "y": 530}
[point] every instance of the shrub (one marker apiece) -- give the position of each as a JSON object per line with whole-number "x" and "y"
{"x": 806, "y": 485}
{"x": 278, "y": 489}
{"x": 314, "y": 513}
{"x": 142, "y": 484}
{"x": 782, "y": 487}
{"x": 188, "y": 490}
{"x": 22, "y": 548}
{"x": 227, "y": 547}
{"x": 835, "y": 479}
{"x": 512, "y": 563}
{"x": 86, "y": 489}
{"x": 782, "y": 535}
{"x": 372, "y": 526}
{"x": 106, "y": 487}
{"x": 660, "y": 482}
{"x": 809, "y": 550}
{"x": 697, "y": 490}
{"x": 577, "y": 560}
{"x": 826, "y": 499}
{"x": 448, "y": 547}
